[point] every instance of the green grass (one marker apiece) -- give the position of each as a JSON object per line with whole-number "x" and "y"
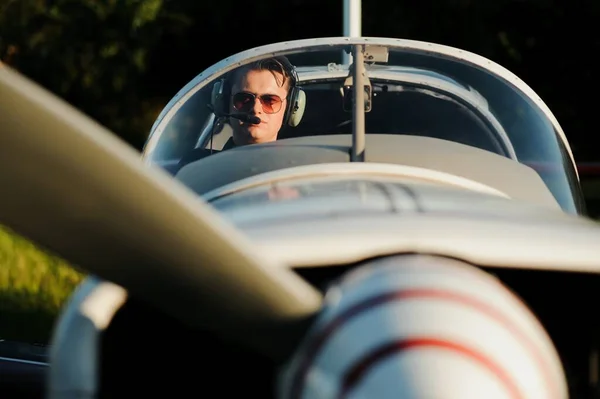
{"x": 33, "y": 287}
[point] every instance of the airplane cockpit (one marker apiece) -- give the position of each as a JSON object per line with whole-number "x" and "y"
{"x": 415, "y": 98}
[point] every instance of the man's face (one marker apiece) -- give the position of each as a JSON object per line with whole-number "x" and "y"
{"x": 260, "y": 83}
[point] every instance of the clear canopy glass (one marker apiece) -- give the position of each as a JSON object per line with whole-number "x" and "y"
{"x": 416, "y": 89}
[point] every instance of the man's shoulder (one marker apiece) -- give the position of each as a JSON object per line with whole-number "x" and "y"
{"x": 199, "y": 153}
{"x": 195, "y": 155}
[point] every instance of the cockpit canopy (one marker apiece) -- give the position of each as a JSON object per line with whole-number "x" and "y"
{"x": 414, "y": 89}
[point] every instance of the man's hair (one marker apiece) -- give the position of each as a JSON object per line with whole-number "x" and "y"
{"x": 276, "y": 65}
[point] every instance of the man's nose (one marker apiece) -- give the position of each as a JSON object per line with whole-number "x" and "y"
{"x": 257, "y": 106}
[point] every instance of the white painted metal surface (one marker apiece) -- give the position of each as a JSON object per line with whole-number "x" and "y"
{"x": 76, "y": 347}
{"x": 355, "y": 170}
{"x": 481, "y": 229}
{"x": 352, "y": 18}
{"x": 352, "y": 23}
{"x": 521, "y": 243}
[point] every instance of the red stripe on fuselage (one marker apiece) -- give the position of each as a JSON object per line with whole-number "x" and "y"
{"x": 321, "y": 337}
{"x": 362, "y": 366}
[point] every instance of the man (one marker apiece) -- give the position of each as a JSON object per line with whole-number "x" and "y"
{"x": 260, "y": 89}
{"x": 264, "y": 91}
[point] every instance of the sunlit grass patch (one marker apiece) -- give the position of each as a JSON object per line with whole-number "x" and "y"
{"x": 33, "y": 287}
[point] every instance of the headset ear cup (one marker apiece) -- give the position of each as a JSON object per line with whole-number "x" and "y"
{"x": 296, "y": 107}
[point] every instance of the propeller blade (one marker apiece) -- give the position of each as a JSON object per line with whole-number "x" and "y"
{"x": 76, "y": 189}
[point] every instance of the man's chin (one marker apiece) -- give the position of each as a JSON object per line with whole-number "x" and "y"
{"x": 256, "y": 135}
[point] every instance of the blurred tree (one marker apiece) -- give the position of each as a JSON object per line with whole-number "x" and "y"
{"x": 120, "y": 61}
{"x": 547, "y": 43}
{"x": 91, "y": 53}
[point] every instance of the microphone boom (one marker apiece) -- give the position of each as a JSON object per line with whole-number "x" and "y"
{"x": 246, "y": 118}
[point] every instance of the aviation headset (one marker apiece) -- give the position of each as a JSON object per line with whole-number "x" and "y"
{"x": 295, "y": 99}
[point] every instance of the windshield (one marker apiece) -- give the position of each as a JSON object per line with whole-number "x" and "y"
{"x": 413, "y": 89}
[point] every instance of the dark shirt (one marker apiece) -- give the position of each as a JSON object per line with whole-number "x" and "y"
{"x": 199, "y": 153}
{"x": 229, "y": 144}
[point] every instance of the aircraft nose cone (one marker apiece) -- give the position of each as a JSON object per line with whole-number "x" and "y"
{"x": 424, "y": 327}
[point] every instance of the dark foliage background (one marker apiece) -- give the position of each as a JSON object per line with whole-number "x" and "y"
{"x": 121, "y": 61}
